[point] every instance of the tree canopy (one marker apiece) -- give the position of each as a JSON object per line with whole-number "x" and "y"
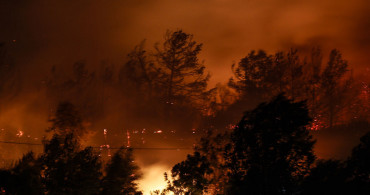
{"x": 121, "y": 174}
{"x": 268, "y": 152}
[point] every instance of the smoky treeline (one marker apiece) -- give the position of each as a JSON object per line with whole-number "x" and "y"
{"x": 285, "y": 97}
{"x": 145, "y": 91}
{"x": 332, "y": 93}
{"x": 166, "y": 87}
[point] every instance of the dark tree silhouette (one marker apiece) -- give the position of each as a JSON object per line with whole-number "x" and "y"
{"x": 204, "y": 170}
{"x": 333, "y": 86}
{"x": 139, "y": 74}
{"x": 271, "y": 149}
{"x": 121, "y": 174}
{"x": 295, "y": 73}
{"x": 67, "y": 120}
{"x": 189, "y": 176}
{"x": 5, "y": 180}
{"x": 327, "y": 177}
{"x": 251, "y": 76}
{"x": 139, "y": 82}
{"x": 336, "y": 177}
{"x": 182, "y": 74}
{"x": 269, "y": 152}
{"x": 312, "y": 77}
{"x": 24, "y": 177}
{"x": 69, "y": 170}
{"x": 359, "y": 165}
{"x": 260, "y": 76}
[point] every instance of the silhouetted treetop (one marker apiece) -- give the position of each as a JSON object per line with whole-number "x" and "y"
{"x": 68, "y": 169}
{"x": 333, "y": 86}
{"x": 271, "y": 149}
{"x": 121, "y": 174}
{"x": 67, "y": 120}
{"x": 24, "y": 177}
{"x": 359, "y": 165}
{"x": 268, "y": 152}
{"x": 182, "y": 72}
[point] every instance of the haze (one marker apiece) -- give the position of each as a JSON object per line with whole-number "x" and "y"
{"x": 62, "y": 32}
{"x": 40, "y": 34}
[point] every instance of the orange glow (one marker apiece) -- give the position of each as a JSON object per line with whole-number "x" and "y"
{"x": 45, "y": 39}
{"x": 153, "y": 178}
{"x": 20, "y": 133}
{"x": 128, "y": 139}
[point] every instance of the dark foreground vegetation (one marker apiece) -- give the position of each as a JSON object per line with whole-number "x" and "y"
{"x": 270, "y": 151}
{"x": 65, "y": 167}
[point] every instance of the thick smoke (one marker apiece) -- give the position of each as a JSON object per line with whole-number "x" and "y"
{"x": 59, "y": 32}
{"x": 40, "y": 34}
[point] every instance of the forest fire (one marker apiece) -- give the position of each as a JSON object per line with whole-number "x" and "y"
{"x": 184, "y": 97}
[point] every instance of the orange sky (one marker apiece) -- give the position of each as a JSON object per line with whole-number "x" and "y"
{"x": 61, "y": 32}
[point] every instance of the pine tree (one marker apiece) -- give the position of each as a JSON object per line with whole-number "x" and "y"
{"x": 183, "y": 76}
{"x": 121, "y": 174}
{"x": 67, "y": 120}
{"x": 333, "y": 85}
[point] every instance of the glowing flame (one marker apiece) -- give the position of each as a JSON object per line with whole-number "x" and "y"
{"x": 20, "y": 133}
{"x": 158, "y": 131}
{"x": 105, "y": 131}
{"x": 316, "y": 124}
{"x": 128, "y": 139}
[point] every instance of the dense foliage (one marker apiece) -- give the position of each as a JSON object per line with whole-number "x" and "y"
{"x": 65, "y": 167}
{"x": 270, "y": 151}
